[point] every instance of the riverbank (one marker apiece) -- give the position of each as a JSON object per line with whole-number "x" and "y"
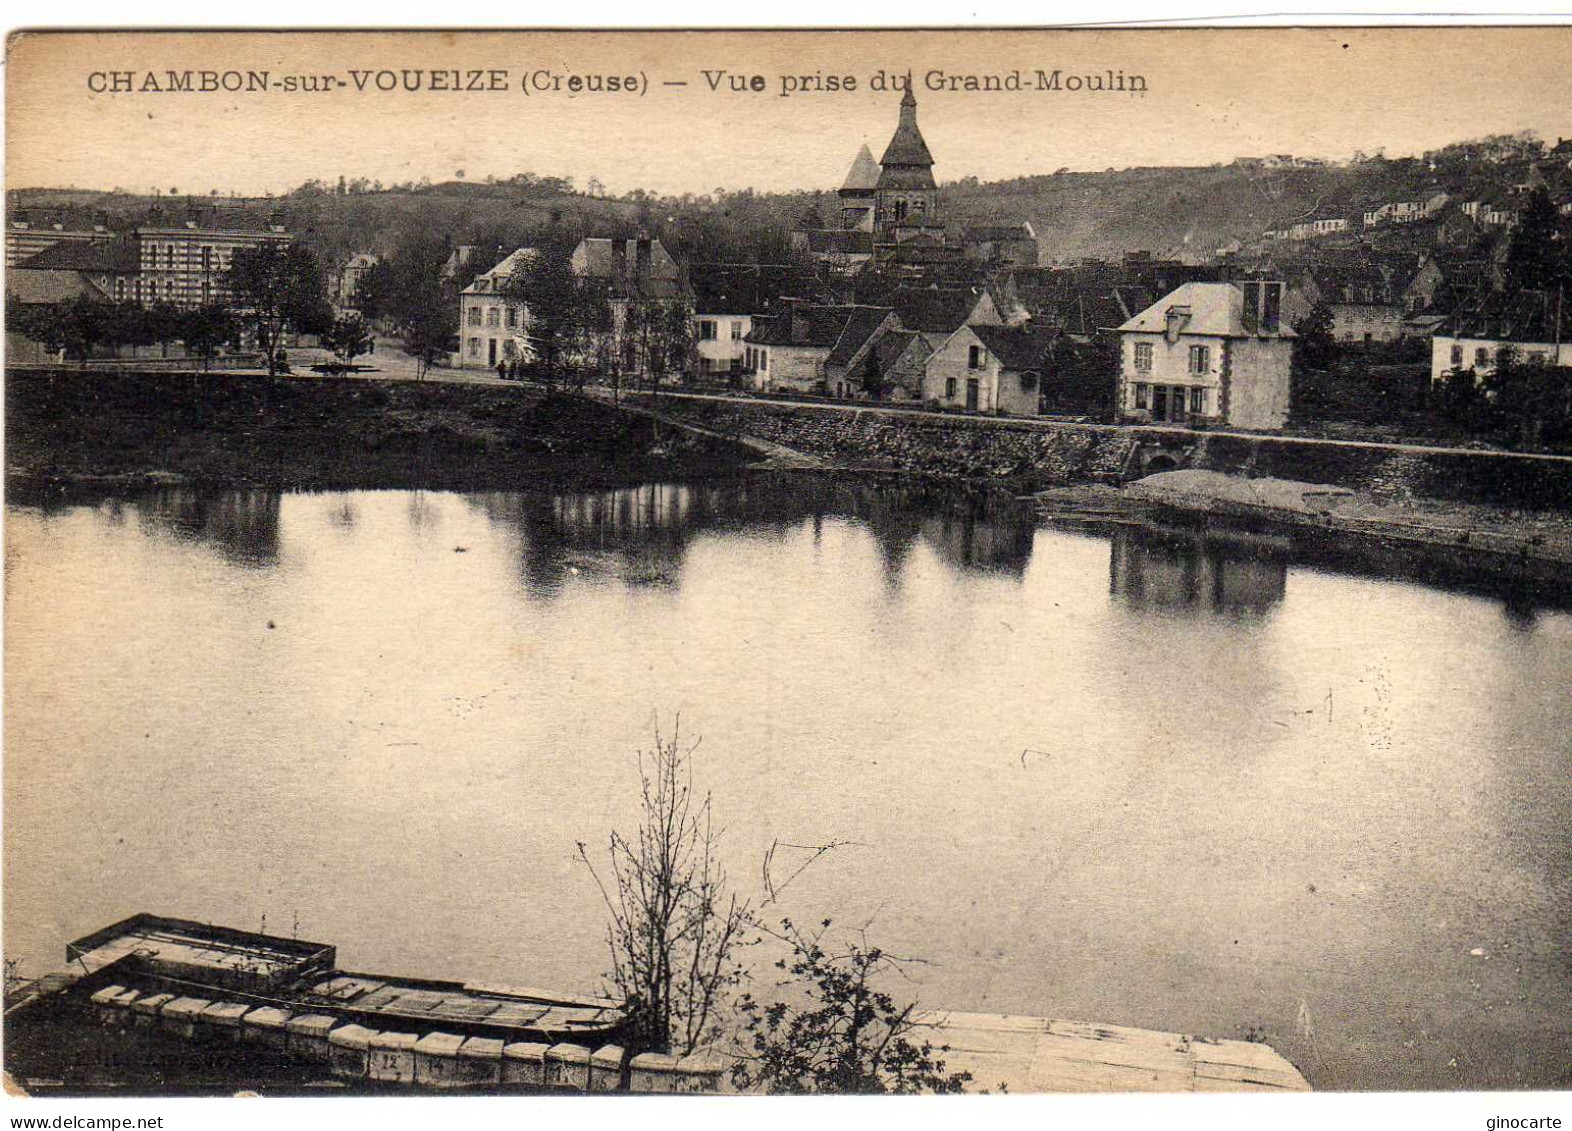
{"x": 1031, "y": 454}
{"x": 1533, "y": 546}
{"x": 65, "y": 428}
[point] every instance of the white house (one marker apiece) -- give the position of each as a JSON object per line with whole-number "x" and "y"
{"x": 493, "y": 325}
{"x": 1523, "y": 324}
{"x": 1208, "y": 352}
{"x": 993, "y": 369}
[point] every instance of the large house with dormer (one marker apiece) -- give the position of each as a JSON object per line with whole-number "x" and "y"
{"x": 1208, "y": 353}
{"x": 493, "y": 323}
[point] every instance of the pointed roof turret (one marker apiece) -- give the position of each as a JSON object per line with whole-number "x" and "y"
{"x": 907, "y": 146}
{"x": 864, "y": 175}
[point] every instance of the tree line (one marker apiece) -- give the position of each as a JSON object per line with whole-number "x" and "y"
{"x": 577, "y": 327}
{"x": 276, "y": 291}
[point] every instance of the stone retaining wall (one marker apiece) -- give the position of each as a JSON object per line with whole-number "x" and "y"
{"x": 1034, "y": 455}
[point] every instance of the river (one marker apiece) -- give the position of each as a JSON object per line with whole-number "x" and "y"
{"x": 1151, "y": 777}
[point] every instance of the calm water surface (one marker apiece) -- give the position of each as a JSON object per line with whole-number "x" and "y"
{"x": 1138, "y": 777}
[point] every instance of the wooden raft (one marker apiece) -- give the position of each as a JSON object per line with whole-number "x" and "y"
{"x": 1036, "y": 1054}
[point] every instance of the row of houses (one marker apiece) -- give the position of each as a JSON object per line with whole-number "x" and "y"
{"x": 1463, "y": 214}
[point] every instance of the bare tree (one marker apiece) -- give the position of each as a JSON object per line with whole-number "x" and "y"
{"x": 675, "y": 930}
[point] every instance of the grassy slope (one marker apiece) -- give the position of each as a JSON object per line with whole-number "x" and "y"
{"x": 223, "y": 429}
{"x": 1161, "y": 209}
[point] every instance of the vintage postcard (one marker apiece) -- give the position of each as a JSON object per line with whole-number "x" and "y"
{"x": 787, "y": 562}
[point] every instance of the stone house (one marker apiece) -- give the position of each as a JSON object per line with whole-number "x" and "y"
{"x": 344, "y": 284}
{"x": 894, "y": 367}
{"x": 494, "y": 325}
{"x": 991, "y": 369}
{"x": 1208, "y": 352}
{"x": 791, "y": 351}
{"x": 727, "y": 297}
{"x": 27, "y": 286}
{"x": 1007, "y": 245}
{"x": 1529, "y": 324}
{"x": 629, "y": 271}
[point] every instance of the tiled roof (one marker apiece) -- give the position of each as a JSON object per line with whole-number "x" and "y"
{"x": 490, "y": 281}
{"x": 71, "y": 218}
{"x": 211, "y": 218}
{"x": 934, "y": 310}
{"x": 74, "y": 255}
{"x": 837, "y": 241}
{"x": 1520, "y": 316}
{"x": 810, "y": 325}
{"x": 725, "y": 288}
{"x": 863, "y": 322}
{"x": 906, "y": 146}
{"x": 1215, "y": 309}
{"x": 30, "y": 286}
{"x": 864, "y": 174}
{"x": 1017, "y": 347}
{"x": 889, "y": 348}
{"x": 979, "y": 233}
{"x": 601, "y": 262}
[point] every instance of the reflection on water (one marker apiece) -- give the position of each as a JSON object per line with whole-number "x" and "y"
{"x": 642, "y": 534}
{"x": 1205, "y": 573}
{"x": 241, "y": 525}
{"x": 1145, "y": 776}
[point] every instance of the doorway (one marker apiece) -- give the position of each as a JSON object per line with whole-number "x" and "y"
{"x": 972, "y": 394}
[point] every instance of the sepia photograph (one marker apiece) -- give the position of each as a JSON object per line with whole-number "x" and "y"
{"x": 788, "y": 562}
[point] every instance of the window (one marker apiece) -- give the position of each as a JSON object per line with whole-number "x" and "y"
{"x": 736, "y": 331}
{"x": 900, "y": 210}
{"x": 1200, "y": 359}
{"x": 474, "y": 347}
{"x": 949, "y": 388}
{"x": 974, "y": 357}
{"x": 1481, "y": 356}
{"x": 120, "y": 288}
{"x": 207, "y": 259}
{"x": 137, "y": 290}
{"x": 169, "y": 256}
{"x": 474, "y": 316}
{"x": 1028, "y": 381}
{"x": 1197, "y": 401}
{"x": 706, "y": 330}
{"x": 493, "y": 317}
{"x": 764, "y": 361}
{"x": 1143, "y": 357}
{"x": 513, "y": 317}
{"x": 1457, "y": 355}
{"x": 1143, "y": 396}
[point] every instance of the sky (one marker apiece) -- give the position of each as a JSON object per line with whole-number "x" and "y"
{"x": 1210, "y": 95}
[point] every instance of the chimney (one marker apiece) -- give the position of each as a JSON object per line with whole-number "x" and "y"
{"x": 1174, "y": 321}
{"x": 1252, "y": 306}
{"x": 643, "y": 254}
{"x": 1271, "y": 307}
{"x": 799, "y": 324}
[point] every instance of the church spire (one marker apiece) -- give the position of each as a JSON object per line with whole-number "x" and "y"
{"x": 864, "y": 174}
{"x": 907, "y": 146}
